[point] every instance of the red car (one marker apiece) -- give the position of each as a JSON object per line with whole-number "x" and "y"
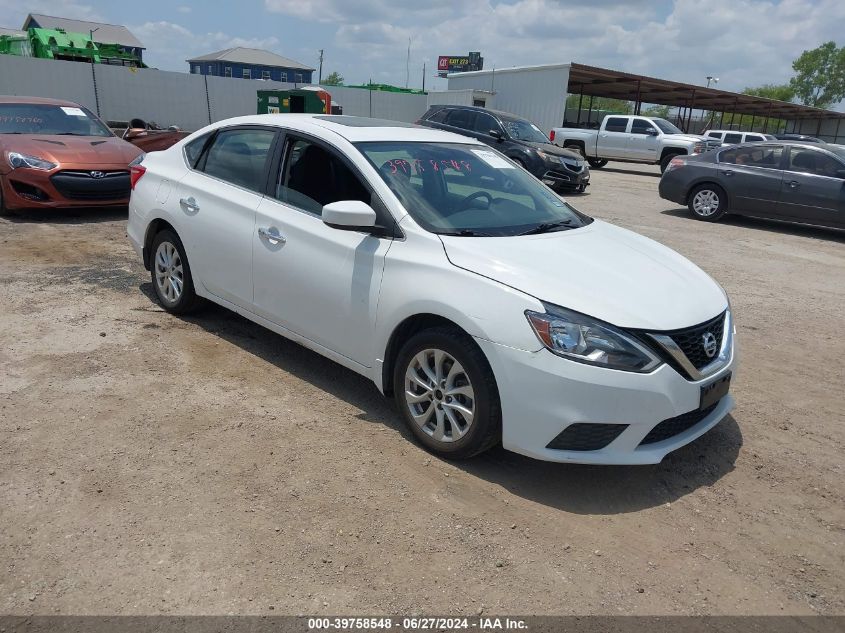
{"x": 56, "y": 154}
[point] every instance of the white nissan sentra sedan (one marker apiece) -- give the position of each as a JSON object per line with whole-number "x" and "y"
{"x": 489, "y": 308}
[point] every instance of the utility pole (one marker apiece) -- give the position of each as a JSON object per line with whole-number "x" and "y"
{"x": 423, "y": 88}
{"x": 408, "y": 64}
{"x": 320, "y": 76}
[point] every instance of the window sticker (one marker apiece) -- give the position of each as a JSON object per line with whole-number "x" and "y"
{"x": 496, "y": 162}
{"x": 74, "y": 112}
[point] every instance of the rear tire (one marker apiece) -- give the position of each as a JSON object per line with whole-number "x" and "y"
{"x": 171, "y": 274}
{"x": 708, "y": 202}
{"x": 447, "y": 394}
{"x": 597, "y": 163}
{"x": 664, "y": 162}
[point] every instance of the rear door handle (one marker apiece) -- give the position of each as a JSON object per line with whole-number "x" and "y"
{"x": 794, "y": 183}
{"x": 189, "y": 204}
{"x": 272, "y": 235}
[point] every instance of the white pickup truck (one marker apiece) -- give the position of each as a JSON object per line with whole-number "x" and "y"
{"x": 640, "y": 139}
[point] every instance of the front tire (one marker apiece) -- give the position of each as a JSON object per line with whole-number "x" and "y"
{"x": 597, "y": 163}
{"x": 708, "y": 202}
{"x": 171, "y": 274}
{"x": 664, "y": 162}
{"x": 447, "y": 394}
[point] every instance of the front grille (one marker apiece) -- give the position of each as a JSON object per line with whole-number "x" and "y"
{"x": 557, "y": 175}
{"x": 678, "y": 424}
{"x": 30, "y": 192}
{"x": 81, "y": 185}
{"x": 691, "y": 340}
{"x": 586, "y": 437}
{"x": 572, "y": 166}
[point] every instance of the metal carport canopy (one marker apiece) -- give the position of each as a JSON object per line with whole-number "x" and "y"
{"x": 601, "y": 82}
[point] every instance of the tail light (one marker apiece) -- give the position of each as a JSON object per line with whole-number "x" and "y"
{"x": 552, "y": 136}
{"x": 135, "y": 173}
{"x": 675, "y": 163}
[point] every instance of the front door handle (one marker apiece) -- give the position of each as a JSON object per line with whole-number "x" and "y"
{"x": 794, "y": 183}
{"x": 189, "y": 204}
{"x": 272, "y": 235}
{"x": 728, "y": 172}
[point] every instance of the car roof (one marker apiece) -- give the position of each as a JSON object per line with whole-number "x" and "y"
{"x": 37, "y": 101}
{"x": 739, "y": 132}
{"x": 353, "y": 129}
{"x": 498, "y": 113}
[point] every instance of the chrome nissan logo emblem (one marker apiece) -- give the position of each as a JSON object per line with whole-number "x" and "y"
{"x": 98, "y": 174}
{"x": 710, "y": 344}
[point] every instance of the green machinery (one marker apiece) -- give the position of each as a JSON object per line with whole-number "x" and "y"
{"x": 60, "y": 44}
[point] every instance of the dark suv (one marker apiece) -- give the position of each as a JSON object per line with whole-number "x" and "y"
{"x": 518, "y": 139}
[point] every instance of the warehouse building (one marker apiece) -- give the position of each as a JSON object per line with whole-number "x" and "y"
{"x": 251, "y": 63}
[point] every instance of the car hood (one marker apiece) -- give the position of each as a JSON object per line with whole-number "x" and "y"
{"x": 554, "y": 150}
{"x": 688, "y": 138}
{"x": 600, "y": 270}
{"x": 72, "y": 150}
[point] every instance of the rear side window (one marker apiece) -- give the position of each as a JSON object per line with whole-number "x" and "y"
{"x": 767, "y": 156}
{"x": 717, "y": 135}
{"x": 753, "y": 138}
{"x": 439, "y": 116}
{"x": 193, "y": 150}
{"x": 484, "y": 123}
{"x": 731, "y": 138}
{"x": 240, "y": 157}
{"x": 463, "y": 119}
{"x": 616, "y": 124}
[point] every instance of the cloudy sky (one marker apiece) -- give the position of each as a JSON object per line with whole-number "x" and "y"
{"x": 743, "y": 42}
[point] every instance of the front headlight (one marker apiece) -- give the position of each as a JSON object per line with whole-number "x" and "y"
{"x": 586, "y": 340}
{"x": 698, "y": 148}
{"x": 546, "y": 157}
{"x": 17, "y": 160}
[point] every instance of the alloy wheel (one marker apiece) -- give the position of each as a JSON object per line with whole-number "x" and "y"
{"x": 439, "y": 395}
{"x": 169, "y": 274}
{"x": 705, "y": 203}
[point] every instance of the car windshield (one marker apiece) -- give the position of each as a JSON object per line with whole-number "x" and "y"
{"x": 468, "y": 190}
{"x": 39, "y": 118}
{"x": 522, "y": 130}
{"x": 666, "y": 127}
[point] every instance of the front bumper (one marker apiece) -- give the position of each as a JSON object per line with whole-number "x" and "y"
{"x": 543, "y": 394}
{"x": 65, "y": 188}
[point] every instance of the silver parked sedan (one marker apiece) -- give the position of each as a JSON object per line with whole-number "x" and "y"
{"x": 782, "y": 180}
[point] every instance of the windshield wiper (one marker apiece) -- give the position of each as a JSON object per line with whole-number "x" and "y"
{"x": 545, "y": 227}
{"x": 467, "y": 233}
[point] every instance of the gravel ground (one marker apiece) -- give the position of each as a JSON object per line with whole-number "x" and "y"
{"x": 202, "y": 465}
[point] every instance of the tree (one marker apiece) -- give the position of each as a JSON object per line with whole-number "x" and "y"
{"x": 334, "y": 79}
{"x": 820, "y": 76}
{"x": 658, "y": 111}
{"x": 780, "y": 92}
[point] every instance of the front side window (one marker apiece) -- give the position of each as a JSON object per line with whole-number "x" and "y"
{"x": 767, "y": 156}
{"x": 523, "y": 130}
{"x": 484, "y": 123}
{"x": 468, "y": 190}
{"x": 731, "y": 138}
{"x": 240, "y": 157}
{"x": 616, "y": 124}
{"x": 810, "y": 161}
{"x": 312, "y": 177}
{"x": 717, "y": 135}
{"x": 667, "y": 128}
{"x": 36, "y": 118}
{"x": 641, "y": 126}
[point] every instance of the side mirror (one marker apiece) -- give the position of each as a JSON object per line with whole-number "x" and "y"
{"x": 496, "y": 134}
{"x": 349, "y": 215}
{"x": 651, "y": 131}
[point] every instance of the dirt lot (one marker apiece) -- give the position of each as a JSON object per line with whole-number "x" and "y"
{"x": 152, "y": 464}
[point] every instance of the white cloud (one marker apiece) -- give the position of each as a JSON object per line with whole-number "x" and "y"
{"x": 14, "y": 12}
{"x": 184, "y": 9}
{"x": 170, "y": 44}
